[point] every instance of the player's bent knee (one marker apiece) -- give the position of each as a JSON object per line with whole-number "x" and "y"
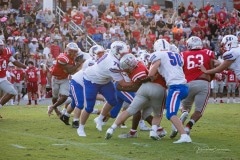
{"x": 80, "y": 107}
{"x": 169, "y": 115}
{"x": 88, "y": 110}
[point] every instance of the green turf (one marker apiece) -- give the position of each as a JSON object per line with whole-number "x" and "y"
{"x": 27, "y": 133}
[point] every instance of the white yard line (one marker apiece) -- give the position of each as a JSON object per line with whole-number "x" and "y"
{"x": 18, "y": 146}
{"x": 90, "y": 146}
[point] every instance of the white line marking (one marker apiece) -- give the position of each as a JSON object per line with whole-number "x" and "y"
{"x": 18, "y": 146}
{"x": 59, "y": 144}
{"x": 91, "y": 147}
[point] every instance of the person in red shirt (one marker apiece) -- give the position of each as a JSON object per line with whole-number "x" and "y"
{"x": 55, "y": 49}
{"x": 155, "y": 7}
{"x": 66, "y": 64}
{"x": 66, "y": 18}
{"x": 18, "y": 74}
{"x": 231, "y": 83}
{"x": 43, "y": 82}
{"x": 78, "y": 17}
{"x": 5, "y": 85}
{"x": 32, "y": 79}
{"x": 198, "y": 82}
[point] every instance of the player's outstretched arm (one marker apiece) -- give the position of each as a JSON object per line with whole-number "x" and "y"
{"x": 19, "y": 64}
{"x": 224, "y": 65}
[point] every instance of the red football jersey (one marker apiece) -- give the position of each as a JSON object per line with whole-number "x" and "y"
{"x": 18, "y": 75}
{"x": 231, "y": 77}
{"x": 219, "y": 76}
{"x": 57, "y": 69}
{"x": 139, "y": 72}
{"x": 43, "y": 77}
{"x": 192, "y": 60}
{"x": 32, "y": 74}
{"x": 4, "y": 60}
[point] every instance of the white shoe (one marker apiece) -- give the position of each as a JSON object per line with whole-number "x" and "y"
{"x": 99, "y": 124}
{"x": 130, "y": 134}
{"x": 187, "y": 130}
{"x": 143, "y": 126}
{"x": 81, "y": 132}
{"x": 154, "y": 135}
{"x": 123, "y": 126}
{"x": 109, "y": 133}
{"x": 161, "y": 132}
{"x": 184, "y": 139}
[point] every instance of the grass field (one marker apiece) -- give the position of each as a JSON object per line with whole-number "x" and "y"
{"x": 27, "y": 133}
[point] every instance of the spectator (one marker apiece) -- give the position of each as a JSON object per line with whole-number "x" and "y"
{"x": 64, "y": 29}
{"x": 55, "y": 49}
{"x": 142, "y": 10}
{"x": 181, "y": 9}
{"x": 101, "y": 8}
{"x": 130, "y": 8}
{"x": 49, "y": 19}
{"x": 73, "y": 11}
{"x": 84, "y": 7}
{"x": 78, "y": 18}
{"x": 94, "y": 13}
{"x": 155, "y": 7}
{"x": 66, "y": 18}
{"x": 75, "y": 3}
{"x": 97, "y": 37}
{"x": 33, "y": 46}
{"x": 158, "y": 16}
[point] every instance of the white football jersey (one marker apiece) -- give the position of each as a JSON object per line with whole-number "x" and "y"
{"x": 234, "y": 54}
{"x": 104, "y": 70}
{"x": 170, "y": 67}
{"x": 78, "y": 76}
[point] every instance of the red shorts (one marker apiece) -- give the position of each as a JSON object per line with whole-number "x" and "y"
{"x": 32, "y": 87}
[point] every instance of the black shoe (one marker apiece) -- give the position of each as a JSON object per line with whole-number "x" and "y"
{"x": 75, "y": 124}
{"x": 65, "y": 119}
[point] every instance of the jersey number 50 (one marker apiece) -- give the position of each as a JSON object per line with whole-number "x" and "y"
{"x": 175, "y": 59}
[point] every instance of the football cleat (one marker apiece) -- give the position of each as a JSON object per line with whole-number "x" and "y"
{"x": 75, "y": 124}
{"x": 81, "y": 132}
{"x": 130, "y": 134}
{"x": 161, "y": 132}
{"x": 109, "y": 133}
{"x": 154, "y": 135}
{"x": 99, "y": 124}
{"x": 184, "y": 139}
{"x": 65, "y": 119}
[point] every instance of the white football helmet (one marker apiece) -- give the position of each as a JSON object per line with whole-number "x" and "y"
{"x": 161, "y": 45}
{"x": 128, "y": 62}
{"x": 72, "y": 46}
{"x": 95, "y": 49}
{"x": 119, "y": 48}
{"x": 228, "y": 42}
{"x": 1, "y": 43}
{"x": 144, "y": 57}
{"x": 174, "y": 48}
{"x": 142, "y": 51}
{"x": 194, "y": 42}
